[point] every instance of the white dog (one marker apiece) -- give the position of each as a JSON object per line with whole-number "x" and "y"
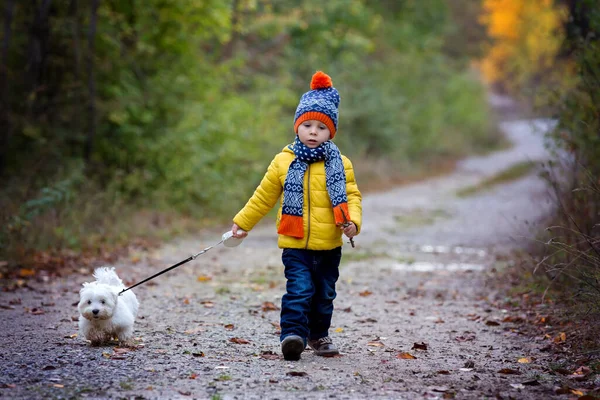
{"x": 103, "y": 313}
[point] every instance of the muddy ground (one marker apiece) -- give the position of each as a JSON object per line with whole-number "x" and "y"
{"x": 414, "y": 286}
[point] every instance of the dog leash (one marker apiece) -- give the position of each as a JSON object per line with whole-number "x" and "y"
{"x": 227, "y": 239}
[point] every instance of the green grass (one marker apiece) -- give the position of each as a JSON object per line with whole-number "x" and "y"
{"x": 420, "y": 217}
{"x": 512, "y": 173}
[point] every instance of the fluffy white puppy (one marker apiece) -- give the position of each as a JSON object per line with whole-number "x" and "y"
{"x": 103, "y": 313}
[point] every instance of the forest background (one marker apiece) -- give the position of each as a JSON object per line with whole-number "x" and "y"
{"x": 127, "y": 122}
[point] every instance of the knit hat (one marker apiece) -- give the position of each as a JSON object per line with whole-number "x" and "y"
{"x": 320, "y": 103}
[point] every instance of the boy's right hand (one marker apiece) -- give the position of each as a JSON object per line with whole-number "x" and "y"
{"x": 238, "y": 232}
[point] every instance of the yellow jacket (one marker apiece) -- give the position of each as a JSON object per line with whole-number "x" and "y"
{"x": 320, "y": 231}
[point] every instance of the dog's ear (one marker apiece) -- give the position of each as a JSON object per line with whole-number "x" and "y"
{"x": 115, "y": 294}
{"x": 84, "y": 285}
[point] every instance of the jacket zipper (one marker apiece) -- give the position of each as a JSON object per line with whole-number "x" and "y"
{"x": 308, "y": 212}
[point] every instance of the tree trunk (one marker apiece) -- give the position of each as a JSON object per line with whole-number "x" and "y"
{"x": 4, "y": 87}
{"x": 227, "y": 52}
{"x": 91, "y": 83}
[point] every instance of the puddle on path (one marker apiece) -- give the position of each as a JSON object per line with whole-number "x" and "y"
{"x": 425, "y": 266}
{"x": 437, "y": 249}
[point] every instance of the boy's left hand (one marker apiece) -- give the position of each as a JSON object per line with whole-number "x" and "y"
{"x": 350, "y": 230}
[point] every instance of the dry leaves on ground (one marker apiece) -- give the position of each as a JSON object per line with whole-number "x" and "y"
{"x": 239, "y": 340}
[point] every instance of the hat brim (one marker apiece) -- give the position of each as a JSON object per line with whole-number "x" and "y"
{"x": 318, "y": 117}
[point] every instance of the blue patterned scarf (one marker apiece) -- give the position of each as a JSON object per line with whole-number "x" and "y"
{"x": 291, "y": 223}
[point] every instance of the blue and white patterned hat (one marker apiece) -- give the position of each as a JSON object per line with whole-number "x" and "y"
{"x": 320, "y": 103}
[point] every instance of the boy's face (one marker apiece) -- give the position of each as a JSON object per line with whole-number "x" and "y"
{"x": 312, "y": 133}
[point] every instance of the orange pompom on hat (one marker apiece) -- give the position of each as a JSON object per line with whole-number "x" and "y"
{"x": 320, "y": 103}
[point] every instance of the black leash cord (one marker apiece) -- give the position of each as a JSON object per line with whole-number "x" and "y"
{"x": 160, "y": 273}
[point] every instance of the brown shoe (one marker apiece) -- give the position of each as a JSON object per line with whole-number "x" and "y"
{"x": 323, "y": 347}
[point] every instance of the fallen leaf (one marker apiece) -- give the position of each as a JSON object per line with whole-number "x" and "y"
{"x": 194, "y": 331}
{"x": 338, "y": 330}
{"x": 517, "y": 385}
{"x": 532, "y": 382}
{"x": 193, "y": 375}
{"x": 269, "y": 355}
{"x": 347, "y": 309}
{"x": 73, "y": 336}
{"x": 524, "y": 360}
{"x": 26, "y": 273}
{"x": 198, "y": 354}
{"x": 121, "y": 350}
{"x": 419, "y": 346}
{"x": 8, "y": 386}
{"x": 105, "y": 354}
{"x": 229, "y": 327}
{"x": 36, "y": 311}
{"x": 277, "y": 327}
{"x": 186, "y": 301}
{"x": 365, "y": 293}
{"x": 580, "y": 374}
{"x": 562, "y": 337}
{"x": 577, "y": 392}
{"x": 375, "y": 344}
{"x": 465, "y": 338}
{"x": 296, "y": 373}
{"x": 49, "y": 367}
{"x": 208, "y": 304}
{"x": 58, "y": 385}
{"x": 204, "y": 278}
{"x": 368, "y": 320}
{"x": 543, "y": 320}
{"x": 473, "y": 317}
{"x": 514, "y": 320}
{"x": 406, "y": 356}
{"x": 269, "y": 306}
{"x": 239, "y": 340}
{"x": 181, "y": 392}
{"x": 509, "y": 371}
{"x": 491, "y": 323}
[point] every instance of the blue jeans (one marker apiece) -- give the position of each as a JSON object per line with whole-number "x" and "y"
{"x": 307, "y": 305}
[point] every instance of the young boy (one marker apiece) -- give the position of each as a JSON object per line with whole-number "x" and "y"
{"x": 319, "y": 201}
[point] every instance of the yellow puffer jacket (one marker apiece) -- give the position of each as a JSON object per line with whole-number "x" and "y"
{"x": 320, "y": 231}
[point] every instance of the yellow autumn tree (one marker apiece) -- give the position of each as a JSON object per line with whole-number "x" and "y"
{"x": 525, "y": 39}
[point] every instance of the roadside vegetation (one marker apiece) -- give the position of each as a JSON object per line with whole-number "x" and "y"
{"x": 129, "y": 123}
{"x": 548, "y": 53}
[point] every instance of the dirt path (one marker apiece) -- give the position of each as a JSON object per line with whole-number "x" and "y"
{"x": 416, "y": 276}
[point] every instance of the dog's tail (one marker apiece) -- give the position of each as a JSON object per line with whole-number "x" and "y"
{"x": 108, "y": 276}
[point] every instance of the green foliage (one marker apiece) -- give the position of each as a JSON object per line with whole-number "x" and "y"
{"x": 573, "y": 249}
{"x": 191, "y": 99}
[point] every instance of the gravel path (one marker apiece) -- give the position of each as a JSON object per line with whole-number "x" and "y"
{"x": 413, "y": 287}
